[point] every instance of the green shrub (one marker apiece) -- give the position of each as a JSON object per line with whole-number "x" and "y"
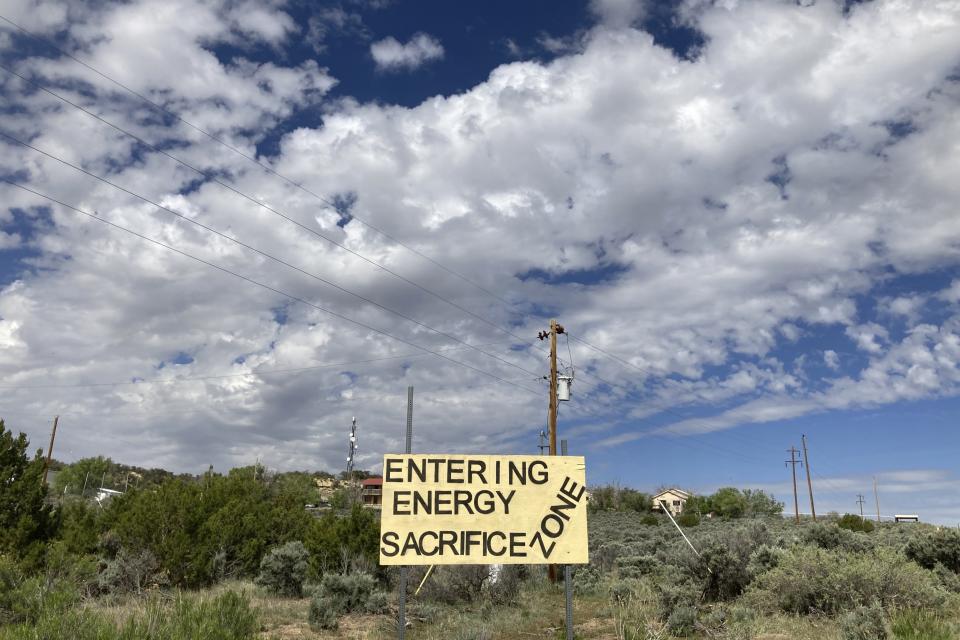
{"x": 682, "y": 621}
{"x": 605, "y": 557}
{"x": 812, "y": 580}
{"x": 347, "y": 593}
{"x": 26, "y": 599}
{"x": 343, "y": 544}
{"x": 650, "y": 520}
{"x": 586, "y": 580}
{"x": 914, "y": 624}
{"x": 827, "y": 535}
{"x": 283, "y": 569}
{"x": 506, "y": 588}
{"x": 130, "y": 572}
{"x": 453, "y": 584}
{"x": 226, "y": 617}
{"x": 764, "y": 559}
{"x": 855, "y": 523}
{"x": 26, "y": 520}
{"x": 636, "y": 566}
{"x": 323, "y": 614}
{"x": 377, "y": 603}
{"x": 864, "y": 623}
{"x": 676, "y": 593}
{"x": 687, "y": 519}
{"x": 928, "y": 548}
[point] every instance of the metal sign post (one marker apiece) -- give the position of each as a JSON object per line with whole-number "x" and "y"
{"x": 402, "y": 608}
{"x": 567, "y": 576}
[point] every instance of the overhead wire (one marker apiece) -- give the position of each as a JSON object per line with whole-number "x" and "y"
{"x": 206, "y": 175}
{"x": 425, "y": 394}
{"x": 292, "y": 183}
{"x": 257, "y": 373}
{"x": 250, "y": 158}
{"x": 213, "y": 178}
{"x": 260, "y": 252}
{"x": 262, "y": 285}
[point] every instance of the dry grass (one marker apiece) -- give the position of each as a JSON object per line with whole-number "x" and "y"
{"x": 537, "y": 613}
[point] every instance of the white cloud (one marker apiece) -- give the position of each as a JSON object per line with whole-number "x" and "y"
{"x": 831, "y": 359}
{"x": 952, "y": 293}
{"x": 558, "y": 167}
{"x": 618, "y": 13}
{"x": 392, "y": 55}
{"x": 868, "y": 337}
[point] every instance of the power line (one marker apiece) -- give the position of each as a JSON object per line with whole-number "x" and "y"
{"x": 252, "y": 159}
{"x": 265, "y": 372}
{"x": 212, "y": 178}
{"x": 260, "y": 252}
{"x": 224, "y": 405}
{"x": 206, "y": 175}
{"x": 629, "y": 391}
{"x": 265, "y": 286}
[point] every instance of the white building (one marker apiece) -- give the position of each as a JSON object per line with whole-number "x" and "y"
{"x": 674, "y": 498}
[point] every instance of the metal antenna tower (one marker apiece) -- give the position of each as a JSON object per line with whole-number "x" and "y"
{"x": 353, "y": 448}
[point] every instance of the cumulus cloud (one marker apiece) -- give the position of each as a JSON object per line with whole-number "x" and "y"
{"x": 831, "y": 359}
{"x": 700, "y": 221}
{"x": 618, "y": 13}
{"x": 391, "y": 55}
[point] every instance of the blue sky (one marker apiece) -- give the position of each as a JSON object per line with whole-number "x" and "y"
{"x": 743, "y": 212}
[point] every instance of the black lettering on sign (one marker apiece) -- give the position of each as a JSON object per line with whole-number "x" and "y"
{"x": 476, "y": 469}
{"x": 421, "y": 471}
{"x": 454, "y": 471}
{"x": 569, "y": 488}
{"x": 506, "y": 499}
{"x": 448, "y": 538}
{"x": 389, "y": 539}
{"x": 538, "y": 538}
{"x": 489, "y": 545}
{"x": 517, "y": 544}
{"x": 423, "y": 547}
{"x": 394, "y": 470}
{"x": 401, "y": 503}
{"x": 541, "y": 476}
{"x": 555, "y": 521}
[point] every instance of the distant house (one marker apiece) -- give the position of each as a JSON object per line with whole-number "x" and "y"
{"x": 371, "y": 491}
{"x": 104, "y": 494}
{"x": 675, "y": 499}
{"x": 906, "y": 517}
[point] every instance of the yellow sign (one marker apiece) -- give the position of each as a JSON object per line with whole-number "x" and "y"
{"x": 458, "y": 509}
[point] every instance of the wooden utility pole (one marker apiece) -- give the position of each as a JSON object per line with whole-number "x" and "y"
{"x": 555, "y": 329}
{"x": 860, "y": 502}
{"x": 806, "y": 463}
{"x": 876, "y": 496}
{"x": 53, "y": 435}
{"x": 793, "y": 451}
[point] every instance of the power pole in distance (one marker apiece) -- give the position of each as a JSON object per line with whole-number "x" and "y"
{"x": 860, "y": 502}
{"x": 806, "y": 463}
{"x": 543, "y": 441}
{"x": 876, "y": 496}
{"x": 53, "y": 435}
{"x": 552, "y": 411}
{"x": 793, "y": 451}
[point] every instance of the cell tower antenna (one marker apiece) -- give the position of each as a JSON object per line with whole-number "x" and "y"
{"x": 353, "y": 448}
